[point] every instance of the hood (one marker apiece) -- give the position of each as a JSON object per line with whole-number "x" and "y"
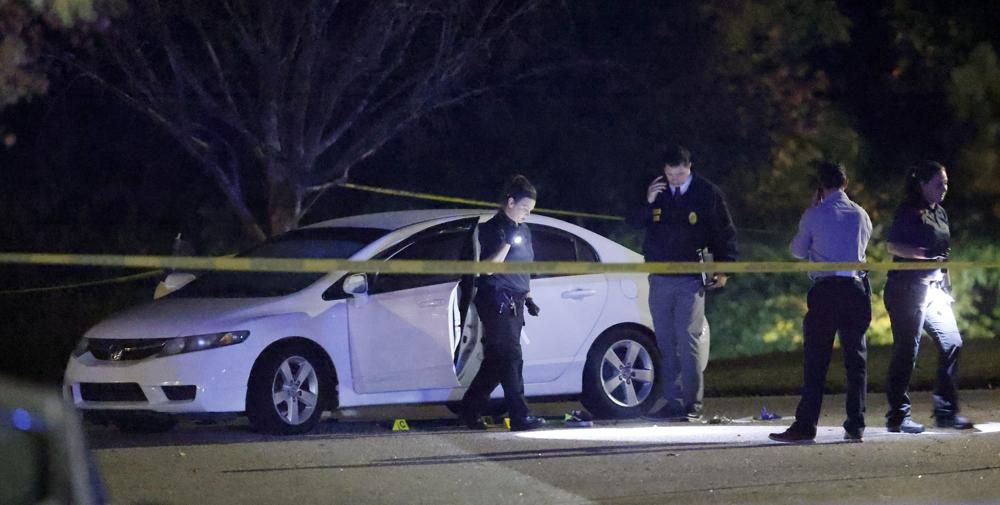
{"x": 167, "y": 318}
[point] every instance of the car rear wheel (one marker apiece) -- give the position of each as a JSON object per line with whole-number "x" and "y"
{"x": 286, "y": 391}
{"x": 619, "y": 378}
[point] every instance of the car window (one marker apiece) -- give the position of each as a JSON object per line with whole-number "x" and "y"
{"x": 552, "y": 244}
{"x": 307, "y": 243}
{"x": 440, "y": 244}
{"x": 585, "y": 251}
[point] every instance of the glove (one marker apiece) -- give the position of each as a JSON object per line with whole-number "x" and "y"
{"x": 533, "y": 308}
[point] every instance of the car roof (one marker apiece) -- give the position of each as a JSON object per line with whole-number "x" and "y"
{"x": 398, "y": 219}
{"x": 607, "y": 249}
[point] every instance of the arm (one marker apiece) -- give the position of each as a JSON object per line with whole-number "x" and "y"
{"x": 800, "y": 245}
{"x": 640, "y": 215}
{"x": 723, "y": 239}
{"x": 910, "y": 251}
{"x": 723, "y": 231}
{"x": 900, "y": 239}
{"x": 500, "y": 255}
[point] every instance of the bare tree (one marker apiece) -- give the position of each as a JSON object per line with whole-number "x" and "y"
{"x": 259, "y": 90}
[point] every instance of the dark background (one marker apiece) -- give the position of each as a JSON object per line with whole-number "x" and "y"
{"x": 83, "y": 173}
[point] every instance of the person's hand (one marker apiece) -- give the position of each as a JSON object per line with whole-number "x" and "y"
{"x": 718, "y": 281}
{"x": 515, "y": 239}
{"x": 924, "y": 253}
{"x": 655, "y": 188}
{"x": 533, "y": 308}
{"x": 817, "y": 197}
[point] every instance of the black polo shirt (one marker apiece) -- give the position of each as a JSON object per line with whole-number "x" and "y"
{"x": 920, "y": 226}
{"x": 492, "y": 235}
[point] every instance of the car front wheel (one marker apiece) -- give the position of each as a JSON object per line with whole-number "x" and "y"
{"x": 619, "y": 378}
{"x": 286, "y": 390}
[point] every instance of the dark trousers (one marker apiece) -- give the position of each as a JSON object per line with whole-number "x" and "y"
{"x": 502, "y": 360}
{"x": 677, "y": 305}
{"x": 913, "y": 306}
{"x": 836, "y": 305}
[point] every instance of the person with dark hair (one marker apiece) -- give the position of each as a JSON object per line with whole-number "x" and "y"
{"x": 685, "y": 218}
{"x": 501, "y": 300}
{"x": 833, "y": 230}
{"x": 920, "y": 299}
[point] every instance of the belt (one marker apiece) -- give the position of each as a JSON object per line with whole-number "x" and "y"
{"x": 828, "y": 278}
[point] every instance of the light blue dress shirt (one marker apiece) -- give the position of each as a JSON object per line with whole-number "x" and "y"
{"x": 835, "y": 231}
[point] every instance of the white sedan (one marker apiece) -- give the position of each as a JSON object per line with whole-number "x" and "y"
{"x": 284, "y": 347}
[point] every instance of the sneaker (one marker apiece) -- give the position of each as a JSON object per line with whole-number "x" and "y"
{"x": 792, "y": 436}
{"x": 528, "y": 423}
{"x": 854, "y": 435}
{"x": 907, "y": 425}
{"x": 956, "y": 422}
{"x": 692, "y": 416}
{"x": 578, "y": 419}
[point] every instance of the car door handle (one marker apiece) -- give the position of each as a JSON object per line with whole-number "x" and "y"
{"x": 436, "y": 302}
{"x": 578, "y": 294}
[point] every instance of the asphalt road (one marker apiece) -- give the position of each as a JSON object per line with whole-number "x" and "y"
{"x": 357, "y": 458}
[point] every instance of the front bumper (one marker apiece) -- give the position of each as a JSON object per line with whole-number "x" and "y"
{"x": 159, "y": 384}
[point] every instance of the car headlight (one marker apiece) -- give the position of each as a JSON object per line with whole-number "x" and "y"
{"x": 81, "y": 347}
{"x": 194, "y": 343}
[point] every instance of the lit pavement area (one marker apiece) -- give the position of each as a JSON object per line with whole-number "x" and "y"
{"x": 358, "y": 459}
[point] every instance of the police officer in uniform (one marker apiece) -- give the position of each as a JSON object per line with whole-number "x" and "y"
{"x": 501, "y": 300}
{"x": 919, "y": 299}
{"x": 684, "y": 215}
{"x": 833, "y": 230}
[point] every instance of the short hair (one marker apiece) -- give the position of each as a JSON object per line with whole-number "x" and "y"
{"x": 831, "y": 175}
{"x": 675, "y": 155}
{"x": 518, "y": 187}
{"x": 917, "y": 174}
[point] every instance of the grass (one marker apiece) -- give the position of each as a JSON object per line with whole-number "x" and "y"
{"x": 781, "y": 373}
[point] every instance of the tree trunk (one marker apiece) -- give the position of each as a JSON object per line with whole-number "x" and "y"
{"x": 283, "y": 199}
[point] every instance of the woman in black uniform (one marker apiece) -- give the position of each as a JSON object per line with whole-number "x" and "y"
{"x": 500, "y": 301}
{"x": 919, "y": 299}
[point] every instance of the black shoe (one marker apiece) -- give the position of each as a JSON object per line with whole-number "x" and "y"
{"x": 473, "y": 422}
{"x": 854, "y": 435}
{"x": 578, "y": 419}
{"x": 528, "y": 423}
{"x": 792, "y": 436}
{"x": 907, "y": 425}
{"x": 956, "y": 422}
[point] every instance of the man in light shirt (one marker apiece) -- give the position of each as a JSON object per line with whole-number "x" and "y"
{"x": 834, "y": 230}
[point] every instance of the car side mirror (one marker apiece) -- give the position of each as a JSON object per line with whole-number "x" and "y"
{"x": 356, "y": 285}
{"x": 172, "y": 283}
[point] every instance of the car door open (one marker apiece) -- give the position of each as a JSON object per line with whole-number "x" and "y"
{"x": 405, "y": 330}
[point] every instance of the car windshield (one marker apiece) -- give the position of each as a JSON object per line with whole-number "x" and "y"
{"x": 308, "y": 243}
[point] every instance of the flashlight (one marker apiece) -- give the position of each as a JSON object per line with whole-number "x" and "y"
{"x": 517, "y": 240}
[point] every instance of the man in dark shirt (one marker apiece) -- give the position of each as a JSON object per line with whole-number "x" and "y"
{"x": 685, "y": 216}
{"x": 501, "y": 300}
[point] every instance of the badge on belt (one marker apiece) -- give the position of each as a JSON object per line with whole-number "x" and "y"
{"x": 656, "y": 215}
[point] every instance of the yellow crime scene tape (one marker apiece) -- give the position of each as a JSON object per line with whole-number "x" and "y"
{"x": 99, "y": 282}
{"x": 467, "y": 201}
{"x": 434, "y": 267}
{"x": 458, "y": 267}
